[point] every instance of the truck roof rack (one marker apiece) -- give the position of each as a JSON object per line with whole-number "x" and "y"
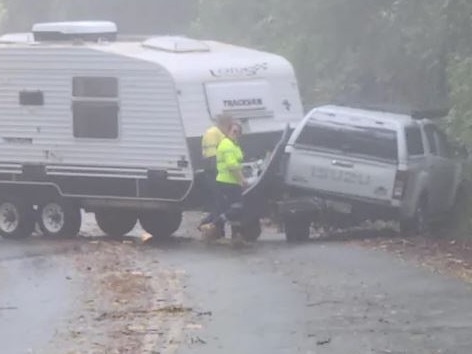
{"x": 415, "y": 113}
{"x": 430, "y": 113}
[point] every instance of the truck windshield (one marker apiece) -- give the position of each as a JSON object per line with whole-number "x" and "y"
{"x": 370, "y": 142}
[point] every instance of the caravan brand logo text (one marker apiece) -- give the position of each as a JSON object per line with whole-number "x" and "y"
{"x": 252, "y": 70}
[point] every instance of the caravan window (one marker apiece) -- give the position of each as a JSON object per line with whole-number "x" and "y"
{"x": 95, "y": 107}
{"x": 95, "y": 87}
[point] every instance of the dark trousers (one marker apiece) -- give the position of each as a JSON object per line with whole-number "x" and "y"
{"x": 211, "y": 193}
{"x": 228, "y": 194}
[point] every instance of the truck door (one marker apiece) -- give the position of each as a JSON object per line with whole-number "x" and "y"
{"x": 440, "y": 171}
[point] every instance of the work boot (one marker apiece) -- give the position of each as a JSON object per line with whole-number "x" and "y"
{"x": 209, "y": 232}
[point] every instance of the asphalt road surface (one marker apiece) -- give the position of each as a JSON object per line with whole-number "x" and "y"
{"x": 186, "y": 296}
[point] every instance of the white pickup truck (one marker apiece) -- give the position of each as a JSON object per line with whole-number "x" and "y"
{"x": 366, "y": 165}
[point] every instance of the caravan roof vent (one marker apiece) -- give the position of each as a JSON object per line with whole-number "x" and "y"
{"x": 176, "y": 44}
{"x": 85, "y": 30}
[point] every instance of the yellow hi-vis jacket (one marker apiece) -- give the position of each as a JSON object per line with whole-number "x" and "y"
{"x": 229, "y": 156}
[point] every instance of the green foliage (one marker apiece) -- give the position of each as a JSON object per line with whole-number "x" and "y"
{"x": 460, "y": 76}
{"x": 363, "y": 51}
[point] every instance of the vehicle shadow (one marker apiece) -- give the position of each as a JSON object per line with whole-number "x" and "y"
{"x": 185, "y": 241}
{"x": 269, "y": 241}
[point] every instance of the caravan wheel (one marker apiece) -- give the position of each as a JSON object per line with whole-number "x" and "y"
{"x": 161, "y": 223}
{"x": 116, "y": 223}
{"x": 59, "y": 218}
{"x": 16, "y": 218}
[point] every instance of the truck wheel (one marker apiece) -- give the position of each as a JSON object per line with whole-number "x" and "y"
{"x": 59, "y": 218}
{"x": 161, "y": 223}
{"x": 297, "y": 228}
{"x": 116, "y": 223}
{"x": 16, "y": 218}
{"x": 457, "y": 217}
{"x": 251, "y": 231}
{"x": 419, "y": 225}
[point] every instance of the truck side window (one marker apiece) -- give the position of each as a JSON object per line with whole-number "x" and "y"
{"x": 429, "y": 131}
{"x": 444, "y": 149}
{"x": 414, "y": 142}
{"x": 95, "y": 107}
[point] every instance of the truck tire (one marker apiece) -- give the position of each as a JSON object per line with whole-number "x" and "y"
{"x": 419, "y": 225}
{"x": 161, "y": 223}
{"x": 251, "y": 230}
{"x": 17, "y": 219}
{"x": 59, "y": 218}
{"x": 297, "y": 228}
{"x": 116, "y": 223}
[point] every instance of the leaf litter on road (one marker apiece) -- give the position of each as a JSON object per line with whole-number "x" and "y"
{"x": 443, "y": 255}
{"x": 129, "y": 304}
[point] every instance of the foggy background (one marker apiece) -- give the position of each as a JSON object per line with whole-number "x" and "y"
{"x": 132, "y": 16}
{"x": 380, "y": 53}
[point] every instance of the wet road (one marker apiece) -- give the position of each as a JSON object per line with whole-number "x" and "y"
{"x": 35, "y": 293}
{"x": 331, "y": 297}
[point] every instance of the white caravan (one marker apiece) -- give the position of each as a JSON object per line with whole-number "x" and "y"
{"x": 114, "y": 127}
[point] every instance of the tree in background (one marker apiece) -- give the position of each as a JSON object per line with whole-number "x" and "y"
{"x": 378, "y": 52}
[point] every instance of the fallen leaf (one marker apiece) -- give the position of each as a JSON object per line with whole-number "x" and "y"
{"x": 194, "y": 326}
{"x": 146, "y": 237}
{"x": 197, "y": 340}
{"x": 323, "y": 341}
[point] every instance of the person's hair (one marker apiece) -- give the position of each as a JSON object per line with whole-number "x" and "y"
{"x": 236, "y": 124}
{"x": 224, "y": 120}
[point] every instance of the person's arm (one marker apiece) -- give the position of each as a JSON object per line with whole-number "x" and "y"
{"x": 238, "y": 174}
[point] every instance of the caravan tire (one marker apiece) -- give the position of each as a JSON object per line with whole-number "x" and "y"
{"x": 161, "y": 223}
{"x": 116, "y": 223}
{"x": 59, "y": 218}
{"x": 17, "y": 219}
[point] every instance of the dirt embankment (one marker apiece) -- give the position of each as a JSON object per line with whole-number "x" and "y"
{"x": 442, "y": 255}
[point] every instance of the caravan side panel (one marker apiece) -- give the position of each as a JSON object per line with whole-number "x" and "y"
{"x": 146, "y": 157}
